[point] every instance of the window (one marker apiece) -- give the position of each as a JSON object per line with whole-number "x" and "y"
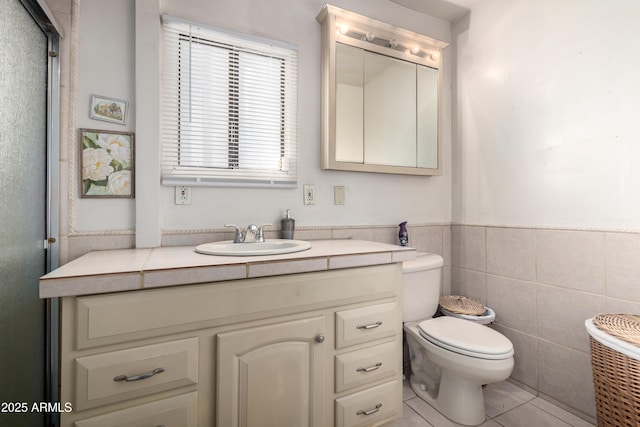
{"x": 229, "y": 108}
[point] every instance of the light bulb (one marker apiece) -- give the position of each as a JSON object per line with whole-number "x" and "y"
{"x": 393, "y": 43}
{"x": 435, "y": 56}
{"x": 415, "y": 50}
{"x": 369, "y": 36}
{"x": 343, "y": 28}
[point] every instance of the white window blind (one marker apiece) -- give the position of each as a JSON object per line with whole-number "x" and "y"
{"x": 229, "y": 108}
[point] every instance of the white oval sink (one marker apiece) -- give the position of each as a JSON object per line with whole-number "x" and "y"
{"x": 269, "y": 247}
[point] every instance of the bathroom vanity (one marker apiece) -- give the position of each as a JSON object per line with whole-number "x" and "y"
{"x": 170, "y": 337}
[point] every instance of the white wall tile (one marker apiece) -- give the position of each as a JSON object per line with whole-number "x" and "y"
{"x": 468, "y": 247}
{"x": 571, "y": 259}
{"x": 469, "y": 283}
{"x": 561, "y": 314}
{"x": 613, "y": 305}
{"x": 623, "y": 265}
{"x": 525, "y": 356}
{"x": 565, "y": 375}
{"x": 511, "y": 252}
{"x": 514, "y": 302}
{"x": 428, "y": 239}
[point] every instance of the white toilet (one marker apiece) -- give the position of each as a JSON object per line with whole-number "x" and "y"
{"x": 451, "y": 358}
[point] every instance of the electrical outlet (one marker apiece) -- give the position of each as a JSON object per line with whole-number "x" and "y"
{"x": 338, "y": 195}
{"x": 309, "y": 194}
{"x": 183, "y": 195}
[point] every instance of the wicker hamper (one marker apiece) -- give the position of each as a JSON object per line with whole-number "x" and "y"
{"x": 615, "y": 359}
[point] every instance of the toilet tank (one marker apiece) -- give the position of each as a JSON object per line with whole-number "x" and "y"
{"x": 421, "y": 283}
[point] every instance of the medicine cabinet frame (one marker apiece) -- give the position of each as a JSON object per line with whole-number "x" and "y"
{"x": 340, "y": 26}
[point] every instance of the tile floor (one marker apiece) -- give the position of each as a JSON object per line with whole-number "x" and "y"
{"x": 507, "y": 405}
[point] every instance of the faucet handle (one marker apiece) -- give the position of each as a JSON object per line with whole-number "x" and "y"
{"x": 239, "y": 237}
{"x": 260, "y": 233}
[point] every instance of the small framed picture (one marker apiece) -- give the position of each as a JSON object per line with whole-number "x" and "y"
{"x": 109, "y": 109}
{"x": 106, "y": 164}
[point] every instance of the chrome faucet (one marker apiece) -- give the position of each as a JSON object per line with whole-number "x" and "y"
{"x": 260, "y": 233}
{"x": 253, "y": 229}
{"x": 240, "y": 235}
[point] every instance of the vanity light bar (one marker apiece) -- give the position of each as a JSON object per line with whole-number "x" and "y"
{"x": 345, "y": 30}
{"x": 370, "y": 34}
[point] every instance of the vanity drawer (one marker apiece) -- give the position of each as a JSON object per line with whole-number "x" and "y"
{"x": 366, "y": 365}
{"x": 368, "y": 406}
{"x": 178, "y": 411}
{"x": 367, "y": 323}
{"x": 130, "y": 316}
{"x": 122, "y": 375}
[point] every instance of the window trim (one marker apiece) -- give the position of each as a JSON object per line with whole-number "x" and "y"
{"x": 173, "y": 173}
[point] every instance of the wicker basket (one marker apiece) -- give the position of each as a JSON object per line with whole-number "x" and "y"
{"x": 462, "y": 305}
{"x": 616, "y": 371}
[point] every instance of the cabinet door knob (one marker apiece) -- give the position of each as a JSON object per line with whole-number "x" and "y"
{"x": 320, "y": 338}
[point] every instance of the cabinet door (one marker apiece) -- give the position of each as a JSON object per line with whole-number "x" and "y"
{"x": 272, "y": 375}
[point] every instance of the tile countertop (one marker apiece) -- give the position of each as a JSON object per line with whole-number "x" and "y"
{"x": 133, "y": 269}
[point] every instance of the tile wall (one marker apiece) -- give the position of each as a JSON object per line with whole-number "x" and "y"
{"x": 424, "y": 237}
{"x": 433, "y": 238}
{"x": 543, "y": 284}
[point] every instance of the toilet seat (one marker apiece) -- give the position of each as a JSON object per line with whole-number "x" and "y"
{"x": 466, "y": 338}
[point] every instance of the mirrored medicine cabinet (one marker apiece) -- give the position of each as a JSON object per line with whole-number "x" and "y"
{"x": 380, "y": 96}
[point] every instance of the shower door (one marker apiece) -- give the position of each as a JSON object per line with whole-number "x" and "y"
{"x": 24, "y": 74}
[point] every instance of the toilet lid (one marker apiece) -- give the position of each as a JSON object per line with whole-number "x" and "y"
{"x": 465, "y": 337}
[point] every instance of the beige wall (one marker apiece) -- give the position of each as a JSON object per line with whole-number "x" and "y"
{"x": 543, "y": 284}
{"x": 544, "y": 180}
{"x": 370, "y": 198}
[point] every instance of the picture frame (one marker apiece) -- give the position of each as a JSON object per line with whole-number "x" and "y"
{"x": 109, "y": 109}
{"x": 106, "y": 164}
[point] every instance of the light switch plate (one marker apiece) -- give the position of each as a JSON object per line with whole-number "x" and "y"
{"x": 339, "y": 197}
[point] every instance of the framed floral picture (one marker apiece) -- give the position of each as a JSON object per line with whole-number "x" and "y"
{"x": 108, "y": 109}
{"x": 106, "y": 161}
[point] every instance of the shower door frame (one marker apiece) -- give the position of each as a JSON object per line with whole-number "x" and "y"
{"x": 44, "y": 18}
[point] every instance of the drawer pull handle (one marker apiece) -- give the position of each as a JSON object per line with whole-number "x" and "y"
{"x": 139, "y": 376}
{"x": 320, "y": 338}
{"x": 370, "y": 411}
{"x": 370, "y": 325}
{"x": 370, "y": 368}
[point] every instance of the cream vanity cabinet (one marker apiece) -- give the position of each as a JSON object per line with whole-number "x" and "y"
{"x": 309, "y": 349}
